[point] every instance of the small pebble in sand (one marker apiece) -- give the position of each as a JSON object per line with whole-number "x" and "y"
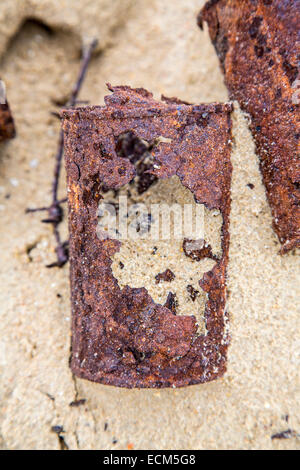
{"x": 14, "y": 182}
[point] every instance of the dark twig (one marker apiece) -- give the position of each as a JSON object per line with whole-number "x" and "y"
{"x": 55, "y": 211}
{"x": 289, "y": 433}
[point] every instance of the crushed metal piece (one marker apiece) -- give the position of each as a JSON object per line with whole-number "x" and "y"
{"x": 166, "y": 276}
{"x": 256, "y": 42}
{"x": 120, "y": 336}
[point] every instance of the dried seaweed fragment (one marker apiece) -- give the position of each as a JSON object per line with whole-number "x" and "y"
{"x": 121, "y": 336}
{"x": 257, "y": 44}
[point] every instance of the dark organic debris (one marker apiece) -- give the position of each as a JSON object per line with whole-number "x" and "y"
{"x": 55, "y": 211}
{"x": 256, "y": 42}
{"x": 194, "y": 293}
{"x": 198, "y": 250}
{"x": 77, "y": 403}
{"x": 61, "y": 250}
{"x": 137, "y": 151}
{"x": 57, "y": 429}
{"x": 166, "y": 276}
{"x": 62, "y": 443}
{"x": 120, "y": 336}
{"x": 288, "y": 434}
{"x": 51, "y": 397}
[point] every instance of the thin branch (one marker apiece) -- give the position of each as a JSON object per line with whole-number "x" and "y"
{"x": 55, "y": 211}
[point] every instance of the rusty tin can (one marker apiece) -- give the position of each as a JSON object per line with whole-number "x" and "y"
{"x": 120, "y": 336}
{"x": 257, "y": 42}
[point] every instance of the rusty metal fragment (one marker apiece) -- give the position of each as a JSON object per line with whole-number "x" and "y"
{"x": 171, "y": 302}
{"x": 7, "y": 128}
{"x": 166, "y": 276}
{"x": 120, "y": 336}
{"x": 257, "y": 42}
{"x": 198, "y": 249}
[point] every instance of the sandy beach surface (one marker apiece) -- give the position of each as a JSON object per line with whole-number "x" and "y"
{"x": 155, "y": 44}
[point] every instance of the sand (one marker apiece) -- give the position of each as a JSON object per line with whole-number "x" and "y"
{"x": 155, "y": 44}
{"x": 143, "y": 255}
